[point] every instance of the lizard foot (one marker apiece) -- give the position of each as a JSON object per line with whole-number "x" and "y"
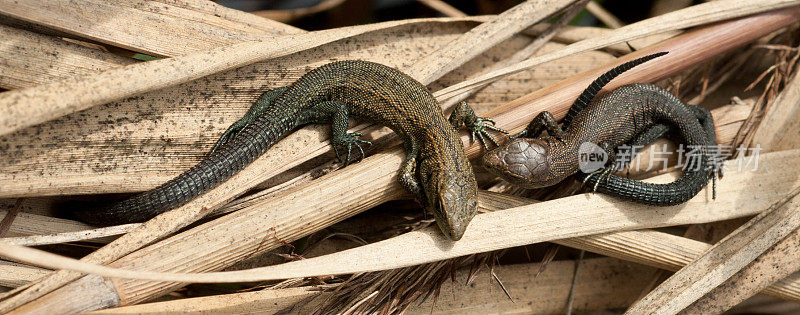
{"x": 228, "y": 135}
{"x": 349, "y": 140}
{"x": 716, "y": 173}
{"x": 479, "y": 129}
{"x": 603, "y": 172}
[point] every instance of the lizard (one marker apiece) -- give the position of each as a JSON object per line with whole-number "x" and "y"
{"x": 635, "y": 113}
{"x": 435, "y": 170}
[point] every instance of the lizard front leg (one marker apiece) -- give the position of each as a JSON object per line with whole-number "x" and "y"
{"x": 259, "y": 107}
{"x": 463, "y": 115}
{"x": 408, "y": 172}
{"x": 339, "y": 134}
{"x": 543, "y": 121}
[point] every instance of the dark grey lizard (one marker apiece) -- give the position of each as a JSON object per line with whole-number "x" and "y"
{"x": 635, "y": 113}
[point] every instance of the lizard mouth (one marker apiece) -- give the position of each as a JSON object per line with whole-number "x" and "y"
{"x": 455, "y": 208}
{"x": 453, "y": 232}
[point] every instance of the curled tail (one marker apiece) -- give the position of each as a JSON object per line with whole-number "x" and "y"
{"x": 589, "y": 93}
{"x": 695, "y": 177}
{"x": 230, "y": 158}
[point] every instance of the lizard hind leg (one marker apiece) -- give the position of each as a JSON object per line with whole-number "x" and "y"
{"x": 257, "y": 109}
{"x": 408, "y": 173}
{"x": 463, "y": 115}
{"x": 605, "y": 172}
{"x": 714, "y": 156}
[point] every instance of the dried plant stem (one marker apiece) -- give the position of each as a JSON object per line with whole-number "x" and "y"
{"x": 56, "y": 59}
{"x": 665, "y": 251}
{"x": 34, "y": 224}
{"x": 14, "y": 275}
{"x": 24, "y": 67}
{"x": 779, "y": 127}
{"x": 169, "y": 29}
{"x": 9, "y": 217}
{"x": 443, "y": 7}
{"x": 523, "y": 53}
{"x": 604, "y": 16}
{"x": 479, "y": 296}
{"x": 293, "y": 14}
{"x": 483, "y": 37}
{"x": 571, "y": 298}
{"x": 71, "y": 236}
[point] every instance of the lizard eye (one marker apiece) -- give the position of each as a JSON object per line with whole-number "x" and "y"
{"x": 472, "y": 203}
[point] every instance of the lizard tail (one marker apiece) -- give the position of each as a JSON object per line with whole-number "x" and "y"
{"x": 226, "y": 161}
{"x": 669, "y": 194}
{"x": 699, "y": 169}
{"x": 589, "y": 93}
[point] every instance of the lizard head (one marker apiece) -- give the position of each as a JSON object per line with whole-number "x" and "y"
{"x": 452, "y": 198}
{"x": 523, "y": 162}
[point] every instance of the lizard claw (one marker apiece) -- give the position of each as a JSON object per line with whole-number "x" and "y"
{"x": 603, "y": 172}
{"x": 479, "y": 130}
{"x": 518, "y": 135}
{"x": 349, "y": 140}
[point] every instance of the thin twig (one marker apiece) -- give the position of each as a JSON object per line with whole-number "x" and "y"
{"x": 443, "y": 8}
{"x": 5, "y": 225}
{"x": 574, "y": 283}
{"x": 604, "y": 16}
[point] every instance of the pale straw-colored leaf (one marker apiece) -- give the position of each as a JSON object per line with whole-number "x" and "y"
{"x": 482, "y": 295}
{"x": 26, "y": 107}
{"x": 156, "y": 28}
{"x": 52, "y": 59}
{"x": 776, "y": 263}
{"x": 14, "y": 275}
{"x": 724, "y": 259}
{"x": 443, "y": 8}
{"x": 75, "y": 236}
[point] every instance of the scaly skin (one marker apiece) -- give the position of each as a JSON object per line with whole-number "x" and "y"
{"x": 436, "y": 169}
{"x": 635, "y": 113}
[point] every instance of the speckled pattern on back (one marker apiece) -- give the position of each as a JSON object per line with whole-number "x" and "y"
{"x": 635, "y": 108}
{"x": 370, "y": 91}
{"x": 634, "y": 113}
